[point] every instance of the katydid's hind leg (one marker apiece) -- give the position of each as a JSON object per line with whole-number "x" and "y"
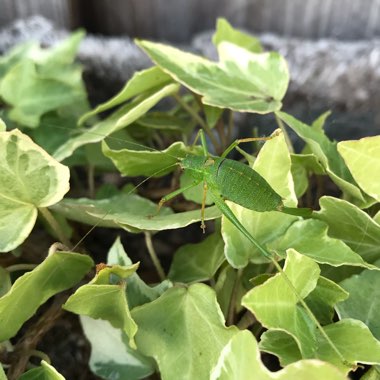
{"x": 205, "y": 188}
{"x": 248, "y": 139}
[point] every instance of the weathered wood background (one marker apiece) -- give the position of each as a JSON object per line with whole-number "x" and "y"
{"x": 179, "y": 20}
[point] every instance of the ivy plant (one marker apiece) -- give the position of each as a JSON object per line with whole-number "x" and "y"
{"x": 299, "y": 287}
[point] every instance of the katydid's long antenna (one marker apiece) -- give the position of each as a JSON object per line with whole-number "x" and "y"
{"x": 105, "y": 215}
{"x": 83, "y": 130}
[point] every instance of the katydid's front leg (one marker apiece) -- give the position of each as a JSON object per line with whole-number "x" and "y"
{"x": 174, "y": 194}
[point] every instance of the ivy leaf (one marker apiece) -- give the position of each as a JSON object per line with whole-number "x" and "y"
{"x": 101, "y": 299}
{"x": 225, "y": 32}
{"x": 57, "y": 272}
{"x": 361, "y": 156}
{"x": 275, "y": 304}
{"x": 183, "y": 331}
{"x": 328, "y": 156}
{"x": 309, "y": 237}
{"x": 274, "y": 164}
{"x": 32, "y": 95}
{"x": 142, "y": 81}
{"x": 43, "y": 372}
{"x": 364, "y": 300}
{"x": 362, "y": 347}
{"x": 198, "y": 262}
{"x": 111, "y": 356}
{"x": 281, "y": 344}
{"x": 121, "y": 118}
{"x": 241, "y": 81}
{"x": 30, "y": 178}
{"x": 351, "y": 225}
{"x": 324, "y": 299}
{"x": 146, "y": 163}
{"x": 240, "y": 359}
{"x": 131, "y": 212}
{"x": 138, "y": 292}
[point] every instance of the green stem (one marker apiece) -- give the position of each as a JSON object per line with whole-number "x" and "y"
{"x": 231, "y": 308}
{"x": 286, "y": 135}
{"x": 91, "y": 180}
{"x": 20, "y": 267}
{"x": 247, "y": 320}
{"x": 230, "y": 125}
{"x": 41, "y": 355}
{"x": 154, "y": 257}
{"x": 198, "y": 119}
{"x": 48, "y": 216}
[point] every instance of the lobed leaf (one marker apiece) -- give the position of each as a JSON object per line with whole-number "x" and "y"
{"x": 144, "y": 162}
{"x": 44, "y": 372}
{"x": 275, "y": 304}
{"x": 361, "y": 347}
{"x": 57, "y": 272}
{"x": 30, "y": 178}
{"x": 361, "y": 156}
{"x": 37, "y": 81}
{"x": 198, "y": 262}
{"x": 140, "y": 82}
{"x": 183, "y": 331}
{"x": 351, "y": 225}
{"x": 364, "y": 300}
{"x": 121, "y": 118}
{"x": 100, "y": 299}
{"x": 130, "y": 212}
{"x": 241, "y": 81}
{"x": 111, "y": 356}
{"x": 138, "y": 292}
{"x": 328, "y": 156}
{"x": 240, "y": 359}
{"x": 225, "y": 32}
{"x": 310, "y": 238}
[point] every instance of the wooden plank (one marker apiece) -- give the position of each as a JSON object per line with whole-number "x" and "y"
{"x": 56, "y": 10}
{"x": 179, "y": 20}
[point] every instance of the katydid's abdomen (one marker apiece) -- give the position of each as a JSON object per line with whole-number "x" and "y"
{"x": 242, "y": 185}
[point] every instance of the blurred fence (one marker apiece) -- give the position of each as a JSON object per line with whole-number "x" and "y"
{"x": 179, "y": 20}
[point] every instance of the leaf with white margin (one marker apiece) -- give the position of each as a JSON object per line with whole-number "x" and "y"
{"x": 131, "y": 212}
{"x": 362, "y": 157}
{"x": 327, "y": 154}
{"x": 111, "y": 356}
{"x": 364, "y": 300}
{"x": 275, "y": 304}
{"x": 45, "y": 372}
{"x": 241, "y": 81}
{"x": 58, "y": 272}
{"x": 138, "y": 292}
{"x": 30, "y": 179}
{"x": 310, "y": 238}
{"x": 240, "y": 359}
{"x": 353, "y": 339}
{"x": 121, "y": 118}
{"x": 184, "y": 331}
{"x": 102, "y": 299}
{"x": 225, "y": 32}
{"x": 353, "y": 226}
